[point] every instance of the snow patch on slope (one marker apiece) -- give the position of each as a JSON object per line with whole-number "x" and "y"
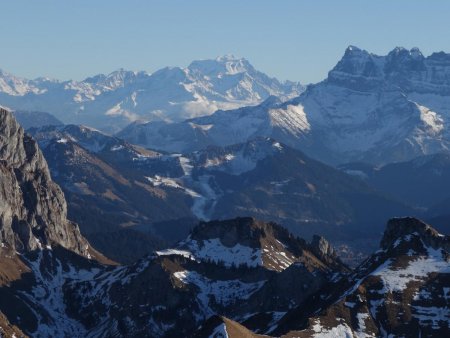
{"x": 235, "y": 164}
{"x": 214, "y": 250}
{"x": 396, "y": 280}
{"x": 273, "y": 258}
{"x": 291, "y": 118}
{"x": 48, "y": 296}
{"x": 223, "y": 292}
{"x": 341, "y": 330}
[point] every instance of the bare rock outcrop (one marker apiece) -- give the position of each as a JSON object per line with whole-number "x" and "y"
{"x": 33, "y": 211}
{"x": 400, "y": 227}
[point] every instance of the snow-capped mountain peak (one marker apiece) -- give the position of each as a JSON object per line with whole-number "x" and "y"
{"x": 370, "y": 108}
{"x": 115, "y": 79}
{"x": 17, "y": 86}
{"x": 365, "y": 95}
{"x": 356, "y": 63}
{"x": 110, "y": 102}
{"x": 220, "y": 66}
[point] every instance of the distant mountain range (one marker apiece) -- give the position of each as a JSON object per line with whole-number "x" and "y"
{"x": 370, "y": 108}
{"x": 110, "y": 102}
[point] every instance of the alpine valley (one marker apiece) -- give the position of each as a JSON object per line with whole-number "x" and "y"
{"x": 114, "y": 187}
{"x": 216, "y": 201}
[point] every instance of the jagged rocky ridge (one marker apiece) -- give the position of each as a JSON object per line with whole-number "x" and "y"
{"x": 171, "y": 293}
{"x": 32, "y": 219}
{"x": 371, "y": 108}
{"x": 401, "y": 290}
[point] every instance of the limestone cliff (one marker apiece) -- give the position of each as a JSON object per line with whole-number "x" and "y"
{"x": 33, "y": 211}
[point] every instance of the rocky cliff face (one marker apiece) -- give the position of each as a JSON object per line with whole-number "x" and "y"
{"x": 380, "y": 109}
{"x": 32, "y": 208}
{"x": 321, "y": 246}
{"x": 401, "y": 290}
{"x": 408, "y": 69}
{"x": 399, "y": 228}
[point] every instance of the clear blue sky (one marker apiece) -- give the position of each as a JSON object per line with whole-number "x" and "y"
{"x": 291, "y": 39}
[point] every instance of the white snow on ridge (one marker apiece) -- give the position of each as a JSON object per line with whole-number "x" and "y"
{"x": 157, "y": 181}
{"x": 213, "y": 249}
{"x": 234, "y": 164}
{"x": 117, "y": 147}
{"x": 168, "y": 252}
{"x": 204, "y": 127}
{"x": 243, "y": 159}
{"x": 292, "y": 118}
{"x": 397, "y": 280}
{"x": 48, "y": 294}
{"x": 447, "y": 294}
{"x": 271, "y": 256}
{"x": 170, "y": 94}
{"x": 341, "y": 330}
{"x": 223, "y": 292}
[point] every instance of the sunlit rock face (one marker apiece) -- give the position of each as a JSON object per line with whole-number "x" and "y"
{"x": 32, "y": 208}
